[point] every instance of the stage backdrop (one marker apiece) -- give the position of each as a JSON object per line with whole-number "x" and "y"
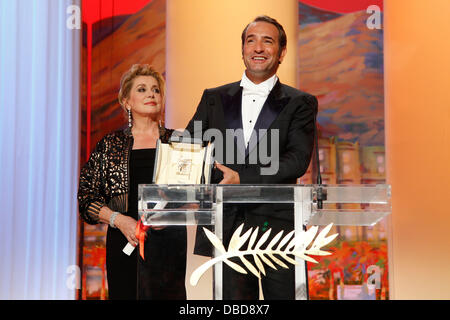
{"x": 340, "y": 60}
{"x": 116, "y": 35}
{"x": 340, "y": 47}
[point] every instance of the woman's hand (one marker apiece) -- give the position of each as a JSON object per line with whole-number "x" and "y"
{"x": 127, "y": 226}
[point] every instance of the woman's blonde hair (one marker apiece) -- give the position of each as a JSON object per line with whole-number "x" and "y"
{"x": 126, "y": 82}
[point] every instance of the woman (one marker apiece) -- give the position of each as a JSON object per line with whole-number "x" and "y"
{"x": 108, "y": 194}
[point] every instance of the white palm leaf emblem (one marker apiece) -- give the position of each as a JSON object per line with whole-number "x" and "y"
{"x": 288, "y": 245}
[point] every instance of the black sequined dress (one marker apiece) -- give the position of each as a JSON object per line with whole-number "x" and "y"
{"x": 162, "y": 274}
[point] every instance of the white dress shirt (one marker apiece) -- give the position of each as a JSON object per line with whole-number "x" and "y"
{"x": 253, "y": 98}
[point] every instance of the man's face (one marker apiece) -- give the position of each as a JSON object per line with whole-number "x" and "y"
{"x": 261, "y": 51}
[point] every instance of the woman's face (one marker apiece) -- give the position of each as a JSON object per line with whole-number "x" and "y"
{"x": 145, "y": 97}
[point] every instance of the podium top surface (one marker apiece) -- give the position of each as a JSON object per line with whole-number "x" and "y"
{"x": 363, "y": 205}
{"x": 375, "y": 194}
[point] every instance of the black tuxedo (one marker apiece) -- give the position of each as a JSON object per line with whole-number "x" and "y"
{"x": 286, "y": 109}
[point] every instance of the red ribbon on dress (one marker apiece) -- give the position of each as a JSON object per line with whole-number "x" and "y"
{"x": 141, "y": 235}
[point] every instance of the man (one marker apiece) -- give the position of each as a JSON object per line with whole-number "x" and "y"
{"x": 261, "y": 108}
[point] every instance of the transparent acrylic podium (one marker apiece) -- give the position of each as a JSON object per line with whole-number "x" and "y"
{"x": 345, "y": 205}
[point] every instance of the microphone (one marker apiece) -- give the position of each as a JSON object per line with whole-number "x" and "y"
{"x": 201, "y": 194}
{"x": 202, "y": 178}
{"x": 321, "y": 193}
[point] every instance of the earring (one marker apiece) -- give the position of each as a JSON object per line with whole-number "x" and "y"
{"x": 129, "y": 118}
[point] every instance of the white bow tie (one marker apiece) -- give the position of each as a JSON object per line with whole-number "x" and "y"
{"x": 249, "y": 88}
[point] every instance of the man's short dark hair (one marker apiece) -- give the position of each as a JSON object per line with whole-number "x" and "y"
{"x": 282, "y": 39}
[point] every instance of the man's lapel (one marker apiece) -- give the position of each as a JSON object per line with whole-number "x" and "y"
{"x": 275, "y": 102}
{"x": 232, "y": 107}
{"x": 232, "y": 101}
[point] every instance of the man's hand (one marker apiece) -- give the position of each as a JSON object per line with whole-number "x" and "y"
{"x": 229, "y": 176}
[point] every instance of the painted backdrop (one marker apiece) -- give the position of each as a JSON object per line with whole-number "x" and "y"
{"x": 340, "y": 47}
{"x": 116, "y": 35}
{"x": 340, "y": 61}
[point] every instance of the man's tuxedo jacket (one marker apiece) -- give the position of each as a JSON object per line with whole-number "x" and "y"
{"x": 288, "y": 110}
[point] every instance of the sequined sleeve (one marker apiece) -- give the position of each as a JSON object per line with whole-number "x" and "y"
{"x": 91, "y": 197}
